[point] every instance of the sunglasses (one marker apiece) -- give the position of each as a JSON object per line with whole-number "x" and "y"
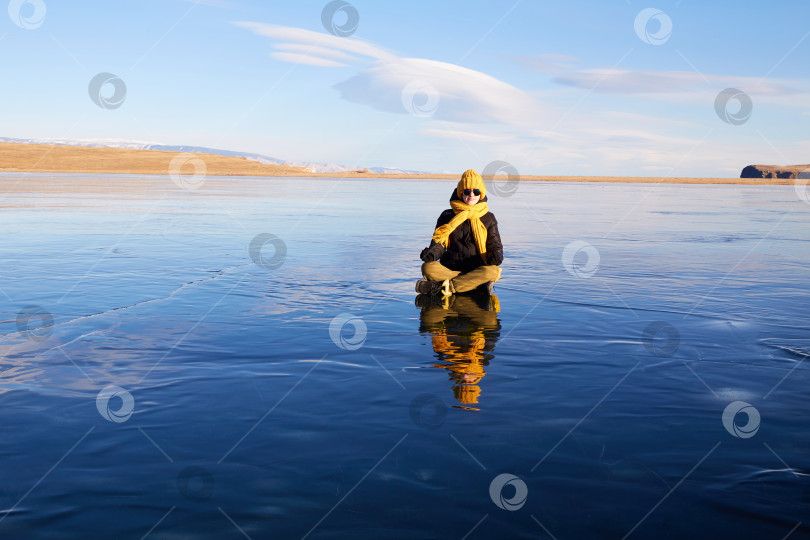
{"x": 475, "y": 192}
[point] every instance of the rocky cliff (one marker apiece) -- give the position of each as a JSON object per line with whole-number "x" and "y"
{"x": 776, "y": 171}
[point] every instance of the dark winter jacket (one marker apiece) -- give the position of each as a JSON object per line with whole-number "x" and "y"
{"x": 461, "y": 254}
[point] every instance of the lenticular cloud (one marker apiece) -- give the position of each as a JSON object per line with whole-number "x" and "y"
{"x": 464, "y": 95}
{"x": 417, "y": 86}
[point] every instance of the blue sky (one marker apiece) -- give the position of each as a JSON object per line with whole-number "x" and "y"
{"x": 571, "y": 88}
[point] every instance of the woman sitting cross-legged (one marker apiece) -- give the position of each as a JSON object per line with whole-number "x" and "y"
{"x": 465, "y": 251}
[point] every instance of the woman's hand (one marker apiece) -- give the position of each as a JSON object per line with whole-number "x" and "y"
{"x": 432, "y": 253}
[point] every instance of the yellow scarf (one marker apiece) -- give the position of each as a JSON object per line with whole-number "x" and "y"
{"x": 464, "y": 212}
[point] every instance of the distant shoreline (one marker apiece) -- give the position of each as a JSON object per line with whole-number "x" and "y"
{"x": 48, "y": 158}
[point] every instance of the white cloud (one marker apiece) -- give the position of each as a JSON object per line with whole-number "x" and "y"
{"x": 684, "y": 88}
{"x": 462, "y": 95}
{"x": 618, "y": 81}
{"x": 321, "y": 41}
{"x": 452, "y": 92}
{"x": 318, "y": 51}
{"x": 637, "y": 151}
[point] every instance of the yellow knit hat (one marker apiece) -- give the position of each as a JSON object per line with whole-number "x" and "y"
{"x": 467, "y": 394}
{"x": 471, "y": 180}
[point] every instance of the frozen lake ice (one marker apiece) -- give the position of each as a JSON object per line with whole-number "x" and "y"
{"x": 246, "y": 359}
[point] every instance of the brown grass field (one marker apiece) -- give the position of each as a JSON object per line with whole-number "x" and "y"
{"x": 44, "y": 158}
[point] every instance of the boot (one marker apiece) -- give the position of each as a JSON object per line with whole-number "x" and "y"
{"x": 437, "y": 288}
{"x": 428, "y": 301}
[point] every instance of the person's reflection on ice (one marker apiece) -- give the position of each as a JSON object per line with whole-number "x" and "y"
{"x": 464, "y": 329}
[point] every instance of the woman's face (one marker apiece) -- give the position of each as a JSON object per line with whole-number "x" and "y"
{"x": 469, "y": 197}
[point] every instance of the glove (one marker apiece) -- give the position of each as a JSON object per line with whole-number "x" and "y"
{"x": 495, "y": 258}
{"x": 432, "y": 253}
